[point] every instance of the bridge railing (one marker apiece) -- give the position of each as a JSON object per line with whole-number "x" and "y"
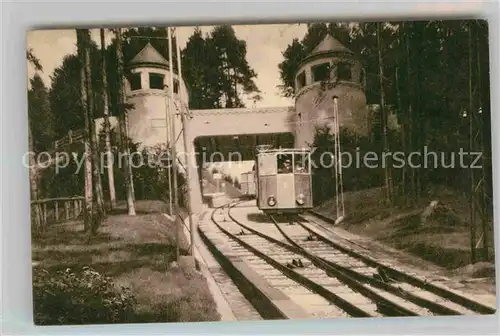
{"x": 54, "y": 210}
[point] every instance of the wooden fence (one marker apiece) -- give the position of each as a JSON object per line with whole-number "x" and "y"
{"x": 72, "y": 137}
{"x": 54, "y": 210}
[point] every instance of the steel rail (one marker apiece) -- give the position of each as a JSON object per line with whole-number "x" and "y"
{"x": 404, "y": 277}
{"x": 311, "y": 285}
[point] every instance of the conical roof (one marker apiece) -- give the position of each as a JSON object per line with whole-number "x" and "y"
{"x": 149, "y": 56}
{"x": 330, "y": 44}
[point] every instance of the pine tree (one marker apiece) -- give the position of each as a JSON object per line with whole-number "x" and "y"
{"x": 107, "y": 126}
{"x": 122, "y": 110}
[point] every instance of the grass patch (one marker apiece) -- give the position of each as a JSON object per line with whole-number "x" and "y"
{"x": 134, "y": 252}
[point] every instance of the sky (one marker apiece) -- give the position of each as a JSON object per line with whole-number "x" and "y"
{"x": 265, "y": 44}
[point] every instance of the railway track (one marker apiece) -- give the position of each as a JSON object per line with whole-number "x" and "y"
{"x": 408, "y": 281}
{"x": 385, "y": 280}
{"x": 329, "y": 280}
{"x": 325, "y": 295}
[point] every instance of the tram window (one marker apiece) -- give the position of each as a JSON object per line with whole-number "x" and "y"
{"x": 301, "y": 164}
{"x": 285, "y": 164}
{"x": 267, "y": 164}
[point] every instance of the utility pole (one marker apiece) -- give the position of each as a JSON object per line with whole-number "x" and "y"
{"x": 169, "y": 120}
{"x": 188, "y": 155}
{"x": 339, "y": 186}
{"x": 107, "y": 126}
{"x": 168, "y": 147}
{"x": 173, "y": 150}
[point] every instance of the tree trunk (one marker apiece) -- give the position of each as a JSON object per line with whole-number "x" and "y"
{"x": 481, "y": 193}
{"x": 484, "y": 89}
{"x": 107, "y": 126}
{"x": 471, "y": 171}
{"x": 404, "y": 123}
{"x": 123, "y": 124}
{"x": 383, "y": 115}
{"x": 34, "y": 183}
{"x": 96, "y": 175}
{"x": 88, "y": 211}
{"x": 404, "y": 108}
{"x": 410, "y": 82}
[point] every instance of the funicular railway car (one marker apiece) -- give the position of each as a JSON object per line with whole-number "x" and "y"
{"x": 284, "y": 182}
{"x": 247, "y": 184}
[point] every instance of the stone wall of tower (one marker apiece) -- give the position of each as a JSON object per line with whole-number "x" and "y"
{"x": 315, "y": 107}
{"x": 147, "y": 118}
{"x": 314, "y": 101}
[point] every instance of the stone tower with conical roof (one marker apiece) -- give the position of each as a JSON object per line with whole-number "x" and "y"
{"x": 329, "y": 70}
{"x": 147, "y": 89}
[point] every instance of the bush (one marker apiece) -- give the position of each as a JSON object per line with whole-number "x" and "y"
{"x": 354, "y": 177}
{"x": 84, "y": 297}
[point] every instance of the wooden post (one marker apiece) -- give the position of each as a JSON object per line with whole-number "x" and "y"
{"x": 192, "y": 227}
{"x": 44, "y": 214}
{"x": 56, "y": 210}
{"x": 75, "y": 208}
{"x": 66, "y": 210}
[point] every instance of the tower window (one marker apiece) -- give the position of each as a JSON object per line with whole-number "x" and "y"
{"x": 301, "y": 80}
{"x": 344, "y": 71}
{"x": 321, "y": 72}
{"x": 176, "y": 86}
{"x": 135, "y": 81}
{"x": 156, "y": 81}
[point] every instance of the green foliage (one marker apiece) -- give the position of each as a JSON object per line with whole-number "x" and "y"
{"x": 236, "y": 183}
{"x": 65, "y": 92}
{"x": 216, "y": 70}
{"x": 228, "y": 178}
{"x": 65, "y": 181}
{"x": 425, "y": 83}
{"x": 198, "y": 73}
{"x": 354, "y": 176}
{"x": 79, "y": 297}
{"x": 30, "y": 56}
{"x": 40, "y": 115}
